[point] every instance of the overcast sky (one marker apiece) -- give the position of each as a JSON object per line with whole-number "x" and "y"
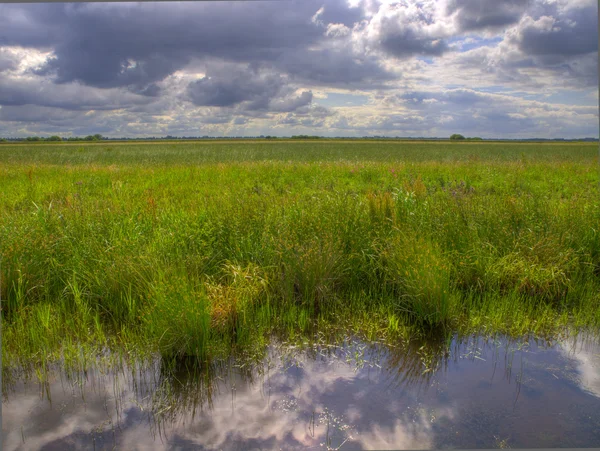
{"x": 489, "y": 68}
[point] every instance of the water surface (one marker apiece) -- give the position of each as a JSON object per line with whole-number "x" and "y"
{"x": 476, "y": 394}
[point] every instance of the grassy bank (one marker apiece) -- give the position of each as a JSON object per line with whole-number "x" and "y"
{"x": 193, "y": 248}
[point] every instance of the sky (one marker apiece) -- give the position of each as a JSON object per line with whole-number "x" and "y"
{"x": 427, "y": 68}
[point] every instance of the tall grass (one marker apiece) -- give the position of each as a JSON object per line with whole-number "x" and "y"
{"x": 197, "y": 249}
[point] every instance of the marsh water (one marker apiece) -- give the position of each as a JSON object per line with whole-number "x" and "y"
{"x": 470, "y": 393}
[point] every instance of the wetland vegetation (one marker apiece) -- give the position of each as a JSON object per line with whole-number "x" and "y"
{"x": 210, "y": 249}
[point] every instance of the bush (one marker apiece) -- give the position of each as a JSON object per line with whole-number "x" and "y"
{"x": 456, "y": 136}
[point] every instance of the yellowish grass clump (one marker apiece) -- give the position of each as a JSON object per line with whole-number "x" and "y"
{"x": 236, "y": 291}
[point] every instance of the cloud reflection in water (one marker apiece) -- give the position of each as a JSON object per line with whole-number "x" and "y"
{"x": 352, "y": 397}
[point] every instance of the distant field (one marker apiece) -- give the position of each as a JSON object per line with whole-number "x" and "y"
{"x": 192, "y": 248}
{"x": 299, "y": 151}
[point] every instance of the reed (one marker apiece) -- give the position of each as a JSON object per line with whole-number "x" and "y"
{"x": 195, "y": 249}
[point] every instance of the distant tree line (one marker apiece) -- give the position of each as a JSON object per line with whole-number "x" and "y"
{"x": 306, "y": 137}
{"x": 98, "y": 137}
{"x": 459, "y": 137}
{"x": 55, "y": 138}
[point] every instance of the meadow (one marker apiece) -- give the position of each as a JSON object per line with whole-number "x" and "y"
{"x": 206, "y": 249}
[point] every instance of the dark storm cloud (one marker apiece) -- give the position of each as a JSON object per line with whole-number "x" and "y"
{"x": 16, "y": 92}
{"x": 565, "y": 35}
{"x": 403, "y": 43}
{"x": 334, "y": 67}
{"x": 110, "y": 45}
{"x": 34, "y": 113}
{"x": 136, "y": 45}
{"x": 247, "y": 88}
{"x": 480, "y": 14}
{"x": 151, "y": 90}
{"x": 292, "y": 103}
{"x": 38, "y": 26}
{"x": 227, "y": 88}
{"x": 107, "y": 70}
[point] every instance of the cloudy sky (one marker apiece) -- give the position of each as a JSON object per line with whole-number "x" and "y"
{"x": 489, "y": 68}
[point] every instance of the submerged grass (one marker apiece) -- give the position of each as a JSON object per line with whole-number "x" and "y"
{"x": 195, "y": 249}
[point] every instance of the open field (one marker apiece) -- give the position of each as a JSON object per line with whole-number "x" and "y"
{"x": 195, "y": 248}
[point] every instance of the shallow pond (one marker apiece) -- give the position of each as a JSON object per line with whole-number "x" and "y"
{"x": 474, "y": 393}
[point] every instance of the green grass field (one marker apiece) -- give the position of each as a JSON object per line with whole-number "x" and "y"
{"x": 203, "y": 248}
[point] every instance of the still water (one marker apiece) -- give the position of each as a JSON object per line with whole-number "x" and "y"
{"x": 474, "y": 393}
